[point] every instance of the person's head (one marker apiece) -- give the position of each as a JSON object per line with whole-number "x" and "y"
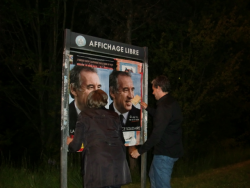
{"x": 97, "y": 99}
{"x": 121, "y": 90}
{"x": 83, "y": 80}
{"x": 160, "y": 86}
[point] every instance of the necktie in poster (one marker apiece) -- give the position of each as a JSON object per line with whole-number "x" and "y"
{"x": 125, "y": 90}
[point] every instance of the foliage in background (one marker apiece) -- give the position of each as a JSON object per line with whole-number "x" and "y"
{"x": 203, "y": 51}
{"x": 202, "y": 46}
{"x": 31, "y": 52}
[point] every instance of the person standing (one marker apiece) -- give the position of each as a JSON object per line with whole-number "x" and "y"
{"x": 104, "y": 156}
{"x": 166, "y": 136}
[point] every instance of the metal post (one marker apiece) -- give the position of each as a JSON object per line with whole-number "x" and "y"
{"x": 64, "y": 111}
{"x": 145, "y": 119}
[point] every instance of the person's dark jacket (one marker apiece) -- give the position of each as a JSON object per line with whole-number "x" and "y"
{"x": 104, "y": 154}
{"x": 166, "y": 136}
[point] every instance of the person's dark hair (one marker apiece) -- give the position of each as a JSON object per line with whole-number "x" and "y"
{"x": 113, "y": 80}
{"x": 97, "y": 99}
{"x": 163, "y": 82}
{"x": 75, "y": 78}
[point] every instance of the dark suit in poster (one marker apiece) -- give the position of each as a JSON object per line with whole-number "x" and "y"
{"x": 72, "y": 117}
{"x": 133, "y": 120}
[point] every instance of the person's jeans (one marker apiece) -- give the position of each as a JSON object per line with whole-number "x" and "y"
{"x": 161, "y": 170}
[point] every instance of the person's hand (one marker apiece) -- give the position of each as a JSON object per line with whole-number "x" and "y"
{"x": 144, "y": 105}
{"x": 131, "y": 149}
{"x": 69, "y": 140}
{"x": 135, "y": 154}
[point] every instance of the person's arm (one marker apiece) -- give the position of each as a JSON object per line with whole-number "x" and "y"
{"x": 151, "y": 111}
{"x": 76, "y": 143}
{"x": 157, "y": 130}
{"x": 135, "y": 154}
{"x": 69, "y": 140}
{"x": 161, "y": 120}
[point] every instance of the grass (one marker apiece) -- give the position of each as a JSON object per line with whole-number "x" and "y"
{"x": 11, "y": 177}
{"x": 216, "y": 159}
{"x": 233, "y": 176}
{"x": 231, "y": 170}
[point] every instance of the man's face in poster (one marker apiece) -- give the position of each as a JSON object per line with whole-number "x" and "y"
{"x": 89, "y": 82}
{"x": 123, "y": 98}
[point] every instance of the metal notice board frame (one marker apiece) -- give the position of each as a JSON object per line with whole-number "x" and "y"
{"x": 88, "y": 45}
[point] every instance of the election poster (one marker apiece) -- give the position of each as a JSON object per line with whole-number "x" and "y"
{"x": 125, "y": 104}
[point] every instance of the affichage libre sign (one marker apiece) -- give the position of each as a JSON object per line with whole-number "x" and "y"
{"x": 89, "y": 43}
